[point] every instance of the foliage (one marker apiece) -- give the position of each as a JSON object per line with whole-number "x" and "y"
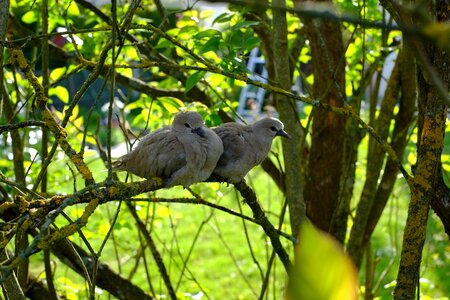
{"x": 334, "y": 275}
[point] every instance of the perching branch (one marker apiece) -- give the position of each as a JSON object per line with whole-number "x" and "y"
{"x": 101, "y": 193}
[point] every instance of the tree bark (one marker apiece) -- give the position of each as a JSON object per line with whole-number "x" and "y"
{"x": 287, "y": 109}
{"x": 322, "y": 186}
{"x": 375, "y": 159}
{"x": 423, "y": 189}
{"x": 426, "y": 182}
{"x": 107, "y": 279}
{"x": 403, "y": 122}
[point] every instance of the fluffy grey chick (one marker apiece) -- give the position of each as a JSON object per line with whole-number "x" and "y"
{"x": 245, "y": 146}
{"x": 185, "y": 153}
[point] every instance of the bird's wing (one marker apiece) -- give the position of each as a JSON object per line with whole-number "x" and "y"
{"x": 234, "y": 143}
{"x": 159, "y": 154}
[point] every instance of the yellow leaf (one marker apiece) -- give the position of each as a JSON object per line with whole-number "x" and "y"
{"x": 57, "y": 73}
{"x": 322, "y": 271}
{"x": 162, "y": 211}
{"x": 60, "y": 92}
{"x": 73, "y": 9}
{"x": 128, "y": 72}
{"x": 75, "y": 112}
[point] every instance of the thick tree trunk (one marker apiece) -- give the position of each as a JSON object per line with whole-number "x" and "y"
{"x": 426, "y": 182}
{"x": 287, "y": 109}
{"x": 423, "y": 189}
{"x": 433, "y": 78}
{"x": 322, "y": 186}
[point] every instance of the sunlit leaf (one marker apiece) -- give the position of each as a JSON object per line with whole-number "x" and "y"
{"x": 75, "y": 112}
{"x": 56, "y": 73}
{"x": 103, "y": 228}
{"x": 322, "y": 270}
{"x": 206, "y": 13}
{"x": 188, "y": 31}
{"x": 172, "y": 105}
{"x": 73, "y": 9}
{"x": 186, "y": 22}
{"x": 128, "y": 72}
{"x": 193, "y": 79}
{"x": 445, "y": 162}
{"x": 307, "y": 111}
{"x": 30, "y": 16}
{"x": 412, "y": 158}
{"x": 130, "y": 52}
{"x": 207, "y": 33}
{"x": 60, "y": 92}
{"x": 163, "y": 44}
{"x": 78, "y": 122}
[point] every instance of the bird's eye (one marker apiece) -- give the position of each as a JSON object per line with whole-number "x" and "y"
{"x": 187, "y": 125}
{"x": 273, "y": 128}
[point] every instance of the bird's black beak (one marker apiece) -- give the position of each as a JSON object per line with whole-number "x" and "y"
{"x": 199, "y": 131}
{"x": 283, "y": 133}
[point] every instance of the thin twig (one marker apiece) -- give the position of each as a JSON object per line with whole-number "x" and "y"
{"x": 250, "y": 198}
{"x": 19, "y": 125}
{"x": 154, "y": 250}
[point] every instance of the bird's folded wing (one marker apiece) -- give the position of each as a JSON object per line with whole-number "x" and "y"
{"x": 159, "y": 154}
{"x": 234, "y": 143}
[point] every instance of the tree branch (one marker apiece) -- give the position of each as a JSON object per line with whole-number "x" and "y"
{"x": 70, "y": 254}
{"x": 15, "y": 126}
{"x": 250, "y": 198}
{"x": 156, "y": 255}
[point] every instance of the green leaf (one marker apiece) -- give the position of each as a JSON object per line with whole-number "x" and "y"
{"x": 188, "y": 30}
{"x": 222, "y": 18}
{"x": 207, "y": 33}
{"x": 251, "y": 42}
{"x": 193, "y": 79}
{"x": 211, "y": 45}
{"x": 60, "y": 92}
{"x": 243, "y": 24}
{"x": 322, "y": 270}
{"x": 126, "y": 72}
{"x": 73, "y": 9}
{"x": 172, "y": 105}
{"x": 57, "y": 73}
{"x": 231, "y": 82}
{"x": 30, "y": 16}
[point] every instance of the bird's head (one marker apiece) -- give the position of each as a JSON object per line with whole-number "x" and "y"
{"x": 189, "y": 122}
{"x": 268, "y": 128}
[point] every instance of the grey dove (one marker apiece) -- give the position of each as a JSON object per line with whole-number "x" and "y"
{"x": 245, "y": 146}
{"x": 185, "y": 153}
